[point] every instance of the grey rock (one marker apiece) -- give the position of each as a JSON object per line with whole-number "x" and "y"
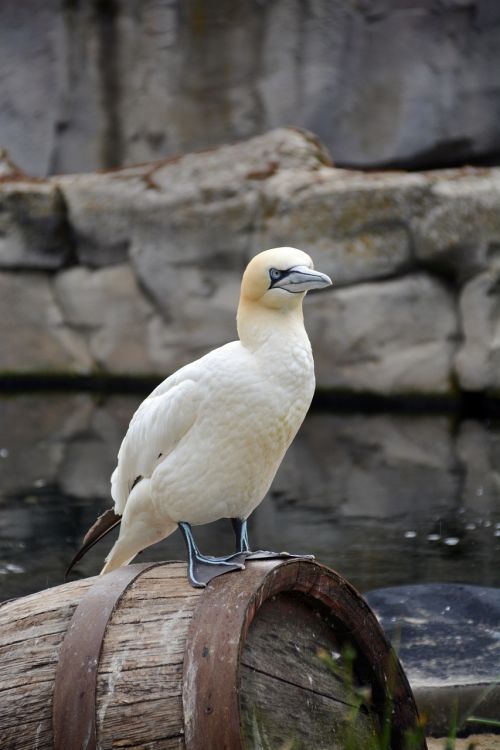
{"x": 356, "y": 226}
{"x": 362, "y": 344}
{"x": 158, "y": 252}
{"x": 92, "y": 439}
{"x": 106, "y": 307}
{"x": 33, "y": 229}
{"x": 194, "y": 208}
{"x": 459, "y": 234}
{"x": 478, "y": 451}
{"x": 477, "y": 362}
{"x": 101, "y": 210}
{"x": 35, "y": 338}
{"x": 28, "y": 430}
{"x": 31, "y": 61}
{"x": 379, "y": 466}
{"x": 448, "y": 642}
{"x": 382, "y": 83}
{"x": 418, "y": 77}
{"x": 7, "y": 167}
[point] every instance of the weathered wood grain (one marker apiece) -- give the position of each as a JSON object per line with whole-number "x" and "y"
{"x": 287, "y": 692}
{"x": 140, "y": 670}
{"x": 289, "y": 695}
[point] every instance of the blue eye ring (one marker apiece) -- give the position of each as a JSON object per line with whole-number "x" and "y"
{"x": 274, "y": 274}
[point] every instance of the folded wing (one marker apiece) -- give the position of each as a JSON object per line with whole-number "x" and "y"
{"x": 156, "y": 428}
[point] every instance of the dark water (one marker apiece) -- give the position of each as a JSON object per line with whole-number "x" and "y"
{"x": 385, "y": 499}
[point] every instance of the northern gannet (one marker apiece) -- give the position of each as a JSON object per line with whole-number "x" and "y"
{"x": 208, "y": 441}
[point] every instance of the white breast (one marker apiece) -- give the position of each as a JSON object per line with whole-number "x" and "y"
{"x": 251, "y": 406}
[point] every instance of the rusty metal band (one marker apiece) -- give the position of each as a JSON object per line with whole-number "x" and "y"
{"x": 211, "y": 676}
{"x": 74, "y": 702}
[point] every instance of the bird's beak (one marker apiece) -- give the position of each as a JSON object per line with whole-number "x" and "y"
{"x": 302, "y": 278}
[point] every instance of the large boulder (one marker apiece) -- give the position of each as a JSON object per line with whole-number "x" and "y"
{"x": 35, "y": 338}
{"x": 459, "y": 232}
{"x": 356, "y": 226}
{"x": 188, "y": 209}
{"x": 447, "y": 636}
{"x": 391, "y": 337}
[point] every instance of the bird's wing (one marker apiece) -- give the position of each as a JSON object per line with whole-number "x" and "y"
{"x": 155, "y": 429}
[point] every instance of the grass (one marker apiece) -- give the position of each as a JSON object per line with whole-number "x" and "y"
{"x": 360, "y": 698}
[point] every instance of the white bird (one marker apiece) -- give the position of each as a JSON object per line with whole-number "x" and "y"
{"x": 208, "y": 441}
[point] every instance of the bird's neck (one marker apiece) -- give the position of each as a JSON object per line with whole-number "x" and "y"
{"x": 259, "y": 326}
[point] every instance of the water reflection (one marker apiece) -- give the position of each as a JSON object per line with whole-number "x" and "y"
{"x": 385, "y": 499}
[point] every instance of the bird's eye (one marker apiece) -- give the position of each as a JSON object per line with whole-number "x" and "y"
{"x": 274, "y": 274}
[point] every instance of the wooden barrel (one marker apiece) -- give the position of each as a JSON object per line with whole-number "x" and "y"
{"x": 283, "y": 655}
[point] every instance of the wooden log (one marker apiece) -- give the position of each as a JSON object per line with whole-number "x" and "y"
{"x": 256, "y": 660}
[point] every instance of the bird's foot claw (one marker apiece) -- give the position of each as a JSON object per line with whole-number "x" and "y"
{"x": 266, "y": 555}
{"x": 201, "y": 572}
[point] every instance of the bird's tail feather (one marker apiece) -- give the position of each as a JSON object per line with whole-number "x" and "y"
{"x": 104, "y": 524}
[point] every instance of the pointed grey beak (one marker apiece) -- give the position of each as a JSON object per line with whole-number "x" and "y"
{"x": 302, "y": 278}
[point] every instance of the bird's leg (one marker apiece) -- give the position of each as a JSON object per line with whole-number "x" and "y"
{"x": 202, "y": 568}
{"x": 240, "y": 529}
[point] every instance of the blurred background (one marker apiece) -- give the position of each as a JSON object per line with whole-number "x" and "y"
{"x": 149, "y": 149}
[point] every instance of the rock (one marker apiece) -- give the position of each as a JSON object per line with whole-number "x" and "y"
{"x": 459, "y": 233}
{"x": 386, "y": 338}
{"x": 34, "y": 337}
{"x": 368, "y": 456}
{"x": 33, "y": 229}
{"x": 356, "y": 226}
{"x": 102, "y": 210}
{"x": 448, "y": 643}
{"x": 147, "y": 239}
{"x": 476, "y": 741}
{"x": 7, "y": 167}
{"x": 93, "y": 441}
{"x": 62, "y": 444}
{"x": 194, "y": 208}
{"x": 416, "y": 93}
{"x": 382, "y": 83}
{"x": 28, "y": 430}
{"x": 107, "y": 308}
{"x": 478, "y": 359}
{"x": 31, "y": 61}
{"x": 478, "y": 450}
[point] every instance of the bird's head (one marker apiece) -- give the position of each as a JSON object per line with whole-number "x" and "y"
{"x": 279, "y": 278}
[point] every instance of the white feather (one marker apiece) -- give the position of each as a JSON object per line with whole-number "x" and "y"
{"x": 208, "y": 441}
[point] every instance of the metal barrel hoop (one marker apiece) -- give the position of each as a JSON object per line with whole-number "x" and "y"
{"x": 74, "y": 702}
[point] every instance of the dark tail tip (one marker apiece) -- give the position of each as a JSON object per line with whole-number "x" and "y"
{"x": 104, "y": 524}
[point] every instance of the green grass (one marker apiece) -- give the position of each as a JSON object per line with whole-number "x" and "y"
{"x": 359, "y": 699}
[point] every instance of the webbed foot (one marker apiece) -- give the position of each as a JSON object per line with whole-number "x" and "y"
{"x": 267, "y": 555}
{"x": 202, "y": 568}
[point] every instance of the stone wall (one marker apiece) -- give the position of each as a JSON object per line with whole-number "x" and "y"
{"x": 136, "y": 271}
{"x": 103, "y": 83}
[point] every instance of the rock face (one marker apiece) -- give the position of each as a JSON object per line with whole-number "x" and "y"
{"x": 389, "y": 337}
{"x": 137, "y": 271}
{"x": 382, "y": 82}
{"x": 35, "y": 337}
{"x": 33, "y": 229}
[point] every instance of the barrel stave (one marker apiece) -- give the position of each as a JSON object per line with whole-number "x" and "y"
{"x": 289, "y": 695}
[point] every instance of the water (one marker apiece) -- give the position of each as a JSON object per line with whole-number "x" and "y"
{"x": 385, "y": 499}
